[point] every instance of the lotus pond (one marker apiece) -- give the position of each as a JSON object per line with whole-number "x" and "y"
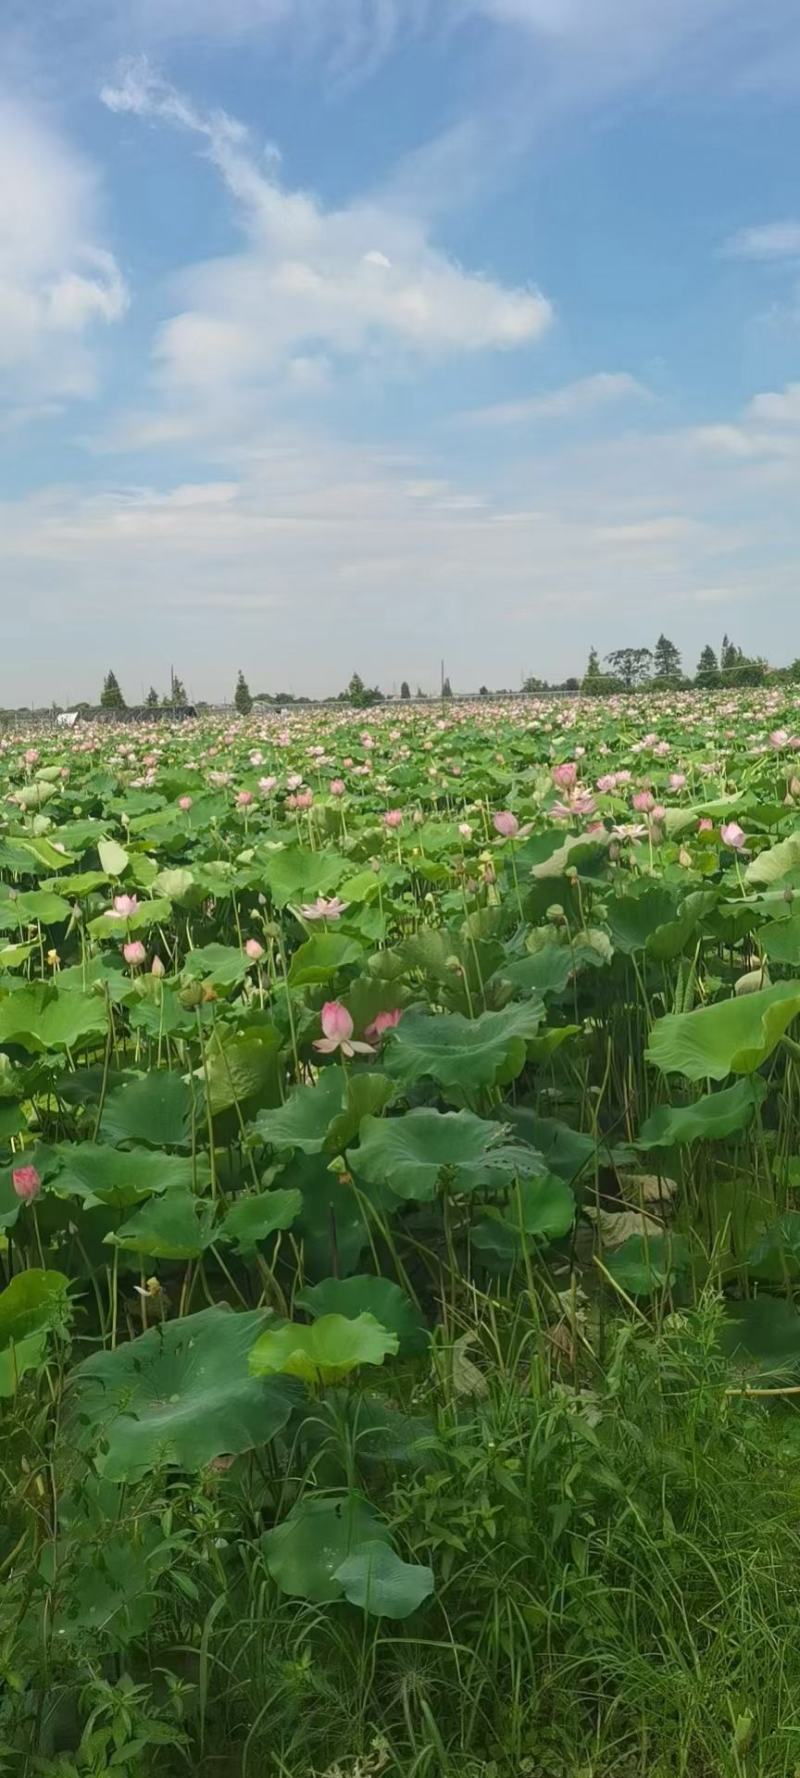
{"x": 399, "y": 1173}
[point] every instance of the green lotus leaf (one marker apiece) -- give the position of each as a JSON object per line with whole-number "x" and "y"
{"x": 366, "y": 1294}
{"x": 641, "y": 1266}
{"x": 322, "y": 956}
{"x": 44, "y": 1017}
{"x": 730, "y": 1037}
{"x": 252, "y": 1219}
{"x": 123, "y": 1177}
{"x": 156, "y": 1110}
{"x": 325, "y": 1352}
{"x": 180, "y": 1395}
{"x": 377, "y": 1580}
{"x": 460, "y": 1054}
{"x": 776, "y": 863}
{"x": 114, "y": 859}
{"x": 412, "y": 1152}
{"x": 223, "y": 966}
{"x": 539, "y": 1210}
{"x": 299, "y": 875}
{"x": 303, "y": 1553}
{"x": 326, "y": 1115}
{"x": 30, "y": 1306}
{"x": 242, "y": 1069}
{"x": 711, "y": 1118}
{"x": 761, "y": 1337}
{"x": 780, "y": 941}
{"x": 174, "y": 1226}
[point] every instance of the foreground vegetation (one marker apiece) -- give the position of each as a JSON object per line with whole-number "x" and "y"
{"x": 399, "y": 1148}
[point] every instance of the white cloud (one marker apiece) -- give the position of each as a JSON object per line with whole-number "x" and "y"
{"x": 772, "y": 240}
{"x": 777, "y": 407}
{"x": 571, "y": 401}
{"x": 56, "y": 283}
{"x": 310, "y": 284}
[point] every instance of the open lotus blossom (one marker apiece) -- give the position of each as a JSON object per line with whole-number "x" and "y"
{"x": 337, "y": 1026}
{"x": 254, "y": 950}
{"x": 705, "y": 825}
{"x": 505, "y": 824}
{"x": 336, "y": 787}
{"x": 324, "y": 910}
{"x": 304, "y": 799}
{"x": 393, "y": 818}
{"x": 384, "y": 1021}
{"x": 677, "y": 780}
{"x": 26, "y": 1183}
{"x": 184, "y": 803}
{"x": 643, "y": 801}
{"x": 134, "y": 952}
{"x": 608, "y": 781}
{"x": 124, "y": 907}
{"x": 565, "y": 776}
{"x": 732, "y": 835}
{"x": 267, "y": 785}
{"x": 244, "y": 799}
{"x": 779, "y": 738}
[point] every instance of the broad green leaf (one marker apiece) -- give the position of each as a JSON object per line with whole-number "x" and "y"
{"x": 731, "y": 1037}
{"x": 376, "y": 1579}
{"x": 326, "y": 1115}
{"x": 325, "y": 1352}
{"x": 222, "y": 965}
{"x": 710, "y": 1118}
{"x": 181, "y": 1394}
{"x": 369, "y": 1295}
{"x": 156, "y": 1110}
{"x": 251, "y": 1220}
{"x": 174, "y": 1226}
{"x": 641, "y": 1266}
{"x": 42, "y": 905}
{"x": 303, "y": 1553}
{"x": 411, "y": 1153}
{"x": 761, "y": 1337}
{"x": 242, "y": 1069}
{"x": 774, "y": 864}
{"x": 113, "y": 857}
{"x": 299, "y": 875}
{"x": 47, "y": 1018}
{"x": 539, "y": 1210}
{"x": 780, "y": 940}
{"x": 462, "y": 1055}
{"x": 33, "y": 1303}
{"x": 322, "y": 956}
{"x": 123, "y": 1177}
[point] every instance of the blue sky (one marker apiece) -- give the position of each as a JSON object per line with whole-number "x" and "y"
{"x": 345, "y": 334}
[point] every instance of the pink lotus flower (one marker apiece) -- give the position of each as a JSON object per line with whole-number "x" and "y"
{"x": 677, "y": 780}
{"x": 267, "y": 785}
{"x": 134, "y": 952}
{"x": 26, "y": 1183}
{"x": 565, "y": 776}
{"x": 465, "y": 830}
{"x": 304, "y": 799}
{"x": 338, "y": 1028}
{"x": 184, "y": 803}
{"x": 505, "y": 824}
{"x": 124, "y": 907}
{"x": 731, "y": 834}
{"x": 704, "y": 825}
{"x": 254, "y": 950}
{"x": 393, "y": 818}
{"x": 157, "y": 968}
{"x": 779, "y": 738}
{"x": 244, "y": 799}
{"x": 336, "y": 787}
{"x": 324, "y": 910}
{"x": 31, "y": 756}
{"x": 608, "y": 781}
{"x": 384, "y": 1021}
{"x": 643, "y": 801}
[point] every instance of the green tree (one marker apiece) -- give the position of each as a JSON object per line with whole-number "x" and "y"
{"x": 666, "y": 659}
{"x": 592, "y": 668}
{"x": 111, "y": 696}
{"x": 708, "y": 660}
{"x": 447, "y": 689}
{"x": 405, "y": 689}
{"x": 151, "y": 701}
{"x": 532, "y": 683}
{"x": 178, "y": 691}
{"x": 632, "y": 665}
{"x": 241, "y": 696}
{"x": 730, "y": 656}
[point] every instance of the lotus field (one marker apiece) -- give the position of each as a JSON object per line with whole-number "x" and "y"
{"x": 400, "y": 1211}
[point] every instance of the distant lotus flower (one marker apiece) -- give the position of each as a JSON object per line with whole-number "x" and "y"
{"x": 244, "y": 799}
{"x": 643, "y": 801}
{"x": 324, "y": 910}
{"x": 31, "y": 756}
{"x": 124, "y": 906}
{"x": 658, "y": 811}
{"x": 393, "y": 818}
{"x": 705, "y": 825}
{"x": 623, "y": 777}
{"x": 256, "y": 759}
{"x": 304, "y": 799}
{"x": 294, "y": 781}
{"x": 779, "y": 738}
{"x": 505, "y": 824}
{"x": 267, "y": 785}
{"x": 157, "y": 968}
{"x": 254, "y": 950}
{"x": 565, "y": 776}
{"x": 338, "y": 1028}
{"x": 465, "y": 830}
{"x": 134, "y": 952}
{"x": 608, "y": 781}
{"x": 26, "y": 1183}
{"x": 732, "y": 835}
{"x": 677, "y": 780}
{"x": 583, "y": 803}
{"x": 336, "y": 786}
{"x": 384, "y": 1021}
{"x": 184, "y": 803}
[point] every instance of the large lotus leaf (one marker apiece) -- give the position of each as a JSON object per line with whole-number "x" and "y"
{"x": 652, "y": 922}
{"x": 33, "y": 1303}
{"x": 252, "y": 1219}
{"x": 112, "y": 925}
{"x": 156, "y": 1109}
{"x": 303, "y": 1553}
{"x": 540, "y": 1210}
{"x": 174, "y": 1226}
{"x": 731, "y": 1037}
{"x": 33, "y": 796}
{"x": 123, "y": 1176}
{"x": 557, "y": 1148}
{"x": 322, "y": 956}
{"x": 13, "y": 956}
{"x": 243, "y": 1069}
{"x": 180, "y": 885}
{"x": 642, "y": 1265}
{"x": 42, "y": 905}
{"x": 44, "y": 853}
{"x": 222, "y": 965}
{"x": 332, "y": 1221}
{"x": 410, "y": 1153}
{"x": 775, "y": 1255}
{"x": 776, "y": 863}
{"x": 761, "y": 1337}
{"x": 326, "y": 1115}
{"x": 780, "y": 940}
{"x": 113, "y": 857}
{"x": 377, "y": 1580}
{"x": 463, "y": 1055}
{"x": 366, "y": 1294}
{"x": 180, "y": 1394}
{"x": 46, "y": 1018}
{"x": 297, "y": 874}
{"x": 710, "y": 1118}
{"x": 326, "y": 1352}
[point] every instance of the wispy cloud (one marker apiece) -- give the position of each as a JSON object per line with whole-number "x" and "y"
{"x": 770, "y": 240}
{"x": 571, "y": 401}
